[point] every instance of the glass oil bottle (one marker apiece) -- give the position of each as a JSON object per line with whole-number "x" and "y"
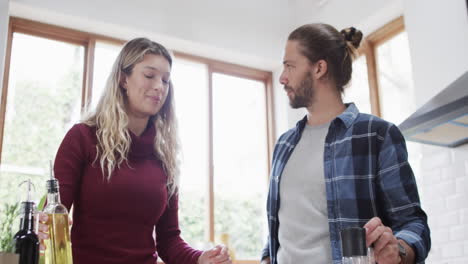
{"x": 58, "y": 246}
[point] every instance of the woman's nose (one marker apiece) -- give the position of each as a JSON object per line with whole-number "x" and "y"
{"x": 158, "y": 84}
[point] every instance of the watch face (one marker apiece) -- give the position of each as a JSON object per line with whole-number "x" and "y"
{"x": 402, "y": 250}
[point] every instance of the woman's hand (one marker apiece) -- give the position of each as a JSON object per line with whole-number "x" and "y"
{"x": 42, "y": 229}
{"x": 217, "y": 255}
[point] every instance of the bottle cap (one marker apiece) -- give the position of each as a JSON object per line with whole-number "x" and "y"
{"x": 353, "y": 241}
{"x": 52, "y": 184}
{"x": 27, "y": 206}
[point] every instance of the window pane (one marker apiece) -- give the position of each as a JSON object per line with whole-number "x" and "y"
{"x": 396, "y": 90}
{"x": 240, "y": 162}
{"x": 358, "y": 88}
{"x": 44, "y": 101}
{"x": 191, "y": 100}
{"x": 104, "y": 57}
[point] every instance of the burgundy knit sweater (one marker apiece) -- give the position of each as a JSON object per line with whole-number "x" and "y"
{"x": 114, "y": 222}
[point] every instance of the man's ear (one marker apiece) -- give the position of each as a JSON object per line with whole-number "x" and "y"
{"x": 320, "y": 69}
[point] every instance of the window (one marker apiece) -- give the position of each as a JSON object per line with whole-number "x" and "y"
{"x": 389, "y": 72}
{"x": 44, "y": 101}
{"x": 105, "y": 54}
{"x": 48, "y": 81}
{"x": 225, "y": 119}
{"x": 240, "y": 162}
{"x": 224, "y": 126}
{"x": 190, "y": 81}
{"x": 358, "y": 89}
{"x": 395, "y": 78}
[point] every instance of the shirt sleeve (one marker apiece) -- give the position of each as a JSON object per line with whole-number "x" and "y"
{"x": 170, "y": 246}
{"x": 266, "y": 248}
{"x": 69, "y": 164}
{"x": 399, "y": 193}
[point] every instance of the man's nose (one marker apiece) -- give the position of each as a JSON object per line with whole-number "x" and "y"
{"x": 283, "y": 79}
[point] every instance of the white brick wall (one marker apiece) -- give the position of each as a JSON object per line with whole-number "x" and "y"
{"x": 442, "y": 176}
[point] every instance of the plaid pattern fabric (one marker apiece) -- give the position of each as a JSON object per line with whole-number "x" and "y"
{"x": 367, "y": 174}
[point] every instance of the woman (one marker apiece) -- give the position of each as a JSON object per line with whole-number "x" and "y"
{"x": 118, "y": 168}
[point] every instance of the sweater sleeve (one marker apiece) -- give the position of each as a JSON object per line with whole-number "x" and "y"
{"x": 403, "y": 210}
{"x": 266, "y": 250}
{"x": 170, "y": 246}
{"x": 69, "y": 164}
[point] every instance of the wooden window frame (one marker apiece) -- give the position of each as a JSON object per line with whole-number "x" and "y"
{"x": 369, "y": 48}
{"x": 88, "y": 41}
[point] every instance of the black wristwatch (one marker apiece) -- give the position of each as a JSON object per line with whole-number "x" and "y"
{"x": 401, "y": 250}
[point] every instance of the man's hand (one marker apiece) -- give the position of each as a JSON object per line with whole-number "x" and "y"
{"x": 265, "y": 261}
{"x": 385, "y": 243}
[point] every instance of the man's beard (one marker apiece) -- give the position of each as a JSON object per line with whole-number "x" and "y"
{"x": 303, "y": 94}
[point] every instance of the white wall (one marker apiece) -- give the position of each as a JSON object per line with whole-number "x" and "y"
{"x": 4, "y": 7}
{"x": 443, "y": 186}
{"x": 438, "y": 39}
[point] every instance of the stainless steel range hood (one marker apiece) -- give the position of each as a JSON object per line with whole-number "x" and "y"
{"x": 443, "y": 121}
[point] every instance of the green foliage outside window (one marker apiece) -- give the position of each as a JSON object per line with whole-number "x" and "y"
{"x": 241, "y": 217}
{"x": 37, "y": 118}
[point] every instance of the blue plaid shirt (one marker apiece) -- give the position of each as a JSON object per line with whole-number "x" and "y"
{"x": 367, "y": 174}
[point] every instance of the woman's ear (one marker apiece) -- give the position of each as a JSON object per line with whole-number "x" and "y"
{"x": 320, "y": 69}
{"x": 123, "y": 80}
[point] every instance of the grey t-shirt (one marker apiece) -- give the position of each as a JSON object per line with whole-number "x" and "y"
{"x": 303, "y": 220}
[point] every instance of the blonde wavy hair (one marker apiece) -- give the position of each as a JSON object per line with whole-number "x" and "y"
{"x": 111, "y": 120}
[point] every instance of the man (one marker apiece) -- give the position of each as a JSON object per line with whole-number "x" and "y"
{"x": 338, "y": 168}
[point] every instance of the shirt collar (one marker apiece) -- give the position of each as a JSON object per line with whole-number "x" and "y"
{"x": 348, "y": 117}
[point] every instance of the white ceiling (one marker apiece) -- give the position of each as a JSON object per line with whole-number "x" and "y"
{"x": 249, "y": 32}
